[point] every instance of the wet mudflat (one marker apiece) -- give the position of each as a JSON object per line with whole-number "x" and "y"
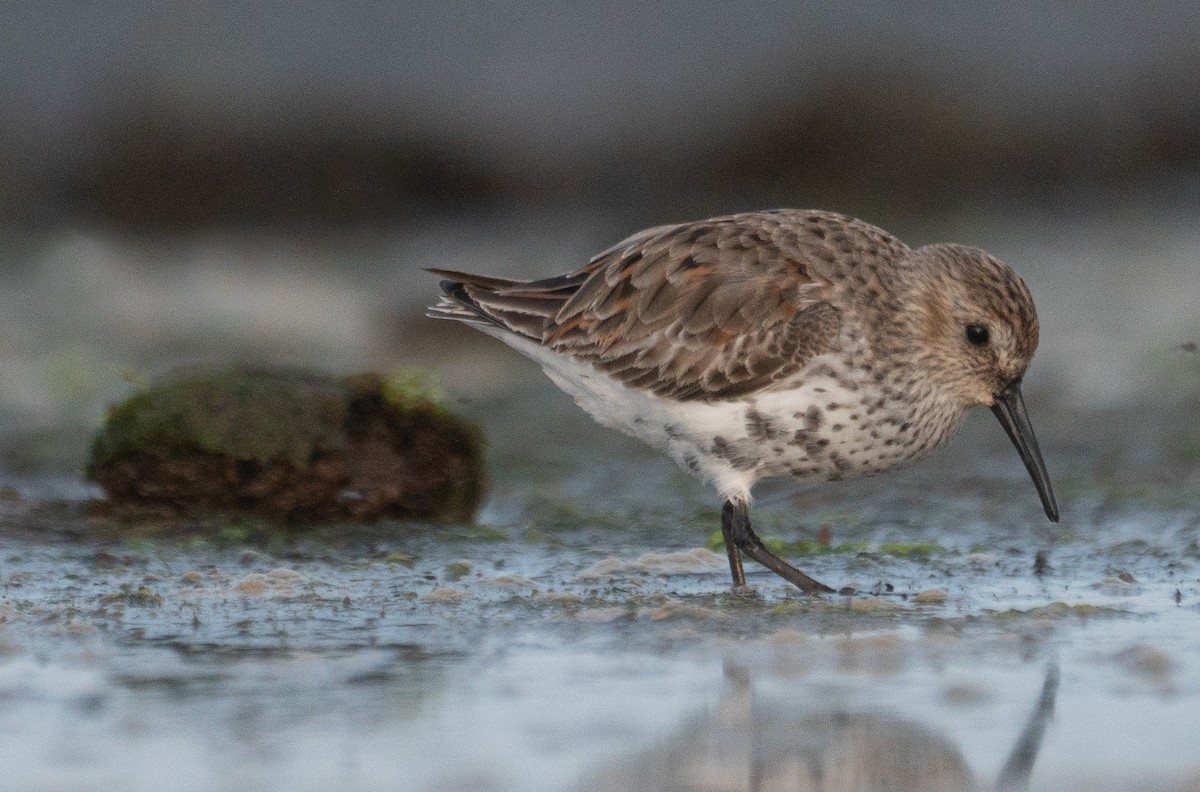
{"x": 226, "y": 202}
{"x": 581, "y": 635}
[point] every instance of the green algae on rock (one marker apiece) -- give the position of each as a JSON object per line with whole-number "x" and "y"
{"x": 290, "y": 445}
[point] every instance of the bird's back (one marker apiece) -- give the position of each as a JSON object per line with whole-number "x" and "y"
{"x": 708, "y": 310}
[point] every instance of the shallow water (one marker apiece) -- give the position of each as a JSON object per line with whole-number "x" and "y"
{"x": 582, "y": 636}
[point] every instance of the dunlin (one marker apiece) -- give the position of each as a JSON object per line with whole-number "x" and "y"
{"x": 777, "y": 343}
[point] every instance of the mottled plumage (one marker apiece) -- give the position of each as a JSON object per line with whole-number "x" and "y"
{"x": 777, "y": 343}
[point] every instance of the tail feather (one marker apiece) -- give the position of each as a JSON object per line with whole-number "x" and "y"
{"x": 475, "y": 280}
{"x": 522, "y": 307}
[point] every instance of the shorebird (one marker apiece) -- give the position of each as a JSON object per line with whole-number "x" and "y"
{"x": 778, "y": 343}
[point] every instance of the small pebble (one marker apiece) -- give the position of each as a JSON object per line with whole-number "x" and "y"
{"x": 1146, "y": 661}
{"x": 445, "y": 594}
{"x": 872, "y": 604}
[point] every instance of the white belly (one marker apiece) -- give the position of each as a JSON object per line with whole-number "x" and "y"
{"x": 827, "y": 426}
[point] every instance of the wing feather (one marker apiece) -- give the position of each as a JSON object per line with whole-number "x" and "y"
{"x": 715, "y": 309}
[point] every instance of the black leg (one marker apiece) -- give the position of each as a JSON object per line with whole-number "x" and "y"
{"x": 731, "y": 547}
{"x": 735, "y": 526}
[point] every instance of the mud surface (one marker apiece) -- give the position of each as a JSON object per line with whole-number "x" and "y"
{"x": 582, "y": 635}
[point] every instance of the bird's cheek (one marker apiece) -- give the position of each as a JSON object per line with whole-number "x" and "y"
{"x": 982, "y": 396}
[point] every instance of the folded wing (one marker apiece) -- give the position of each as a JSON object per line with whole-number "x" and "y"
{"x": 710, "y": 310}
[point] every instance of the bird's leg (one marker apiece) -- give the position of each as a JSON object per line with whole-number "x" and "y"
{"x": 731, "y": 546}
{"x": 735, "y": 526}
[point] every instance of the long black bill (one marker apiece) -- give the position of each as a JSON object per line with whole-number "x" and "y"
{"x": 1010, "y": 411}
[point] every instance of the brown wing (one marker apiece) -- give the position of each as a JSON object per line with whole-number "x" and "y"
{"x": 709, "y": 310}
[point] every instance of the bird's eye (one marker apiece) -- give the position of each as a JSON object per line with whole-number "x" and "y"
{"x": 978, "y": 335}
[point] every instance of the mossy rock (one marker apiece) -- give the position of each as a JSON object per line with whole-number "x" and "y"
{"x": 290, "y": 445}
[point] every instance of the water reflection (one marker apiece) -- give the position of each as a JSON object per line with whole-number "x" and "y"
{"x": 746, "y": 744}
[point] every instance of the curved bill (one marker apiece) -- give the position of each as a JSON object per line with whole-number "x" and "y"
{"x": 1010, "y": 411}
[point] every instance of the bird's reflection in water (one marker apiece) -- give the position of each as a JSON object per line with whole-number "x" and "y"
{"x": 743, "y": 747}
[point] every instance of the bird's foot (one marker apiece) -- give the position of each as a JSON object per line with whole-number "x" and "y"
{"x": 739, "y": 536}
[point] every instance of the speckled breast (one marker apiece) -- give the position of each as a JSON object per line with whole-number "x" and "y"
{"x": 831, "y": 427}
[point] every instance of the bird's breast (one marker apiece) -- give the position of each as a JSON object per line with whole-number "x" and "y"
{"x": 829, "y": 427}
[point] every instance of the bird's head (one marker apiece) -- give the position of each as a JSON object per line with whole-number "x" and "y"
{"x": 976, "y": 331}
{"x": 975, "y": 322}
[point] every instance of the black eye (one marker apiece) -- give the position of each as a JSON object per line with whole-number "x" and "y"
{"x": 978, "y": 335}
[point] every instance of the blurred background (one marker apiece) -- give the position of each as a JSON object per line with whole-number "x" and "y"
{"x": 262, "y": 181}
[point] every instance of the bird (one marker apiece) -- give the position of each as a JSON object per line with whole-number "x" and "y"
{"x": 778, "y": 343}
